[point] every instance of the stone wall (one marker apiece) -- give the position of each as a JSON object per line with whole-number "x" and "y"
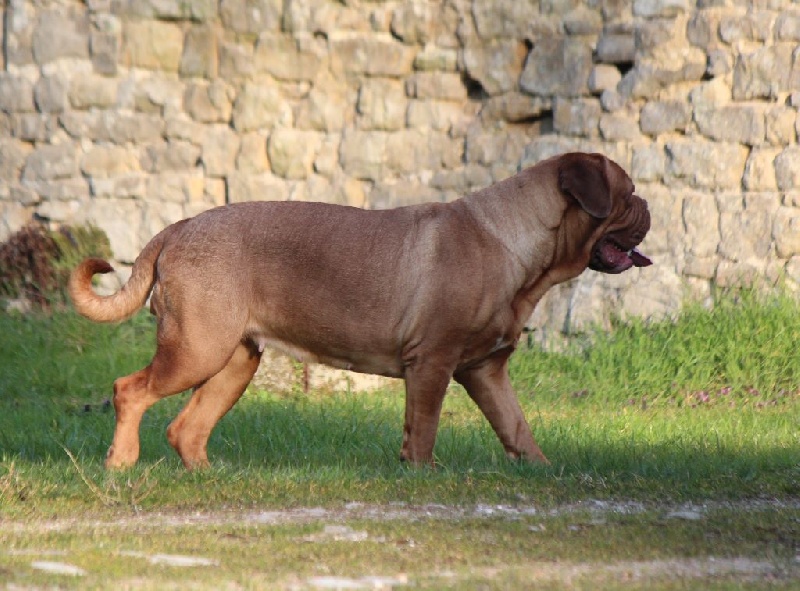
{"x": 136, "y": 113}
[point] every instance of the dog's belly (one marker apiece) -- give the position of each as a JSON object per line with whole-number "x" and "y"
{"x": 361, "y": 362}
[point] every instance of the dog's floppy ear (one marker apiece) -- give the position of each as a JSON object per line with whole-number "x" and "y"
{"x": 584, "y": 178}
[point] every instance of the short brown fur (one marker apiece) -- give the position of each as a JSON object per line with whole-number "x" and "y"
{"x": 427, "y": 293}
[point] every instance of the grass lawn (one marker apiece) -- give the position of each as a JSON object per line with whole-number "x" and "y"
{"x": 686, "y": 434}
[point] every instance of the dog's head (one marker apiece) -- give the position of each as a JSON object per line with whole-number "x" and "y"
{"x": 605, "y": 192}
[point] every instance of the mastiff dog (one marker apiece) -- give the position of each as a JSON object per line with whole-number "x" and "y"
{"x": 425, "y": 293}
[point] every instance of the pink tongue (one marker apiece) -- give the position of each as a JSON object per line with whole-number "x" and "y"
{"x": 639, "y": 259}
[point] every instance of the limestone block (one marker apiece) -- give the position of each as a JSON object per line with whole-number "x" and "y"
{"x": 786, "y": 232}
{"x": 660, "y": 8}
{"x": 285, "y": 59}
{"x": 386, "y": 195}
{"x": 323, "y": 18}
{"x": 13, "y": 216}
{"x": 515, "y": 107}
{"x": 106, "y": 161}
{"x": 579, "y": 117}
{"x": 750, "y": 272}
{"x": 746, "y": 225}
{"x": 33, "y": 127}
{"x": 13, "y": 154}
{"x": 496, "y": 65}
{"x": 158, "y": 93}
{"x": 259, "y": 105}
{"x": 432, "y": 114}
{"x": 170, "y": 156}
{"x": 251, "y": 16}
{"x": 754, "y": 25}
{"x": 200, "y": 50}
{"x": 759, "y": 173}
{"x": 711, "y": 94}
{"x": 176, "y": 187}
{"x": 558, "y": 66}
{"x": 16, "y": 93}
{"x": 616, "y": 48}
{"x": 413, "y": 22}
{"x": 603, "y": 77}
{"x": 220, "y": 148}
{"x": 363, "y": 154}
{"x": 19, "y": 24}
{"x": 120, "y": 219}
{"x": 792, "y": 268}
{"x": 256, "y": 187}
{"x": 667, "y": 234}
{"x": 59, "y": 211}
{"x": 381, "y": 105}
{"x": 780, "y": 122}
{"x": 706, "y": 164}
{"x": 583, "y": 20}
{"x": 252, "y": 157}
{"x": 504, "y": 19}
{"x": 488, "y": 149}
{"x": 648, "y": 163}
{"x": 135, "y": 127}
{"x": 213, "y": 102}
{"x": 50, "y": 93}
{"x": 619, "y": 127}
{"x": 462, "y": 180}
{"x": 700, "y": 267}
{"x": 733, "y": 123}
{"x": 764, "y": 73}
{"x": 156, "y": 216}
{"x": 104, "y": 49}
{"x": 51, "y": 162}
{"x": 370, "y": 55}
{"x": 328, "y": 107}
{"x": 291, "y": 152}
{"x": 327, "y": 161}
{"x": 92, "y": 91}
{"x": 236, "y": 59}
{"x": 61, "y": 34}
{"x": 657, "y": 294}
{"x": 153, "y": 45}
{"x": 702, "y": 29}
{"x": 720, "y": 62}
{"x": 659, "y": 117}
{"x": 545, "y": 146}
{"x": 431, "y": 57}
{"x": 196, "y": 10}
{"x": 130, "y": 186}
{"x": 787, "y": 168}
{"x": 787, "y": 26}
{"x": 700, "y": 217}
{"x": 446, "y": 86}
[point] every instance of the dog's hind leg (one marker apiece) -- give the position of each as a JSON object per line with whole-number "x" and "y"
{"x": 490, "y": 387}
{"x": 190, "y": 430}
{"x": 181, "y": 361}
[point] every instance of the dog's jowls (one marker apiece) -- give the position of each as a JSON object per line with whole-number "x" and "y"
{"x": 427, "y": 293}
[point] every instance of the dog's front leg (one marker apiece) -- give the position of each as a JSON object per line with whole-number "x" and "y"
{"x": 490, "y": 387}
{"x": 426, "y": 385}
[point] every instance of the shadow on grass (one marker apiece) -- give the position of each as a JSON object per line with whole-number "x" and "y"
{"x": 348, "y": 447}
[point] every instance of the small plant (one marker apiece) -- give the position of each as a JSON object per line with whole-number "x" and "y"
{"x": 35, "y": 262}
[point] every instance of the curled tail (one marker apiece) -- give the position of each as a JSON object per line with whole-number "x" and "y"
{"x": 124, "y": 303}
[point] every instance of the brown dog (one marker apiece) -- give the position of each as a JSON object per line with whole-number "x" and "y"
{"x": 427, "y": 293}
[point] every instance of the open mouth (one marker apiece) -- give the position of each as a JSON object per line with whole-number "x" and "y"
{"x": 609, "y": 256}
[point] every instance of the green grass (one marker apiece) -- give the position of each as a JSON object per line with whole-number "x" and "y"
{"x": 703, "y": 407}
{"x": 703, "y": 410}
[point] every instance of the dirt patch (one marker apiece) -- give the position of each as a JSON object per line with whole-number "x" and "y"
{"x": 394, "y": 511}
